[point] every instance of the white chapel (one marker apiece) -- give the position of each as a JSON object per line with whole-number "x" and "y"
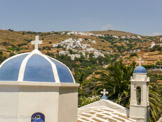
{"x": 37, "y": 88}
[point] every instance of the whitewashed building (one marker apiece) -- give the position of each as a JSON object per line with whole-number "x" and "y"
{"x": 160, "y": 39}
{"x": 37, "y": 88}
{"x": 103, "y": 111}
{"x": 152, "y": 44}
{"x": 139, "y": 103}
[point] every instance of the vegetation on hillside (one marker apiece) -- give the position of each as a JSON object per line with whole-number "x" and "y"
{"x": 82, "y": 67}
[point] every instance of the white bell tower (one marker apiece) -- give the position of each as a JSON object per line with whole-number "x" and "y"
{"x": 139, "y": 103}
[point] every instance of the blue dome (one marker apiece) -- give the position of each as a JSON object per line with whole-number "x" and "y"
{"x": 35, "y": 67}
{"x": 140, "y": 69}
{"x": 104, "y": 97}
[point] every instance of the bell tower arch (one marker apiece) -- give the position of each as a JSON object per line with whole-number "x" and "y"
{"x": 139, "y": 103}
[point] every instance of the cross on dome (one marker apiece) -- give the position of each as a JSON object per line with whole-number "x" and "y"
{"x": 104, "y": 92}
{"x": 140, "y": 61}
{"x": 36, "y": 42}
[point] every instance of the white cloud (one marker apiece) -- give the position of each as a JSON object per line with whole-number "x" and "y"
{"x": 156, "y": 34}
{"x": 108, "y": 27}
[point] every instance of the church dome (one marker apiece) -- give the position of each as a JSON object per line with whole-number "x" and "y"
{"x": 140, "y": 69}
{"x": 35, "y": 67}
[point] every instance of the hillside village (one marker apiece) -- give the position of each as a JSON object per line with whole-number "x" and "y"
{"x": 77, "y": 47}
{"x": 77, "y": 44}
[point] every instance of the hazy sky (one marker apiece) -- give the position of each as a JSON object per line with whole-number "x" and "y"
{"x": 137, "y": 16}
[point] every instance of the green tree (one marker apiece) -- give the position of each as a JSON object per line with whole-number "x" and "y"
{"x": 155, "y": 101}
{"x": 116, "y": 79}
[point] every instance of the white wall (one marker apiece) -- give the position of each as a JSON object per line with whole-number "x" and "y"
{"x": 39, "y": 99}
{"x": 19, "y": 101}
{"x": 68, "y": 104}
{"x": 8, "y": 103}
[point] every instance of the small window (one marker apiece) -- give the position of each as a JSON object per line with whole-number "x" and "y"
{"x": 138, "y": 95}
{"x": 38, "y": 117}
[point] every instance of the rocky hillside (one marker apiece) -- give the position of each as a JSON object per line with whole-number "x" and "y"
{"x": 127, "y": 46}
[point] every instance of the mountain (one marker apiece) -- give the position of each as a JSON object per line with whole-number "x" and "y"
{"x": 113, "y": 32}
{"x": 125, "y": 45}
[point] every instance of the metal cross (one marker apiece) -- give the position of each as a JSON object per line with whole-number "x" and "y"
{"x": 36, "y": 42}
{"x": 104, "y": 92}
{"x": 140, "y": 61}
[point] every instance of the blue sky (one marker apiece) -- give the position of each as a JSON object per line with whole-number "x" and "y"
{"x": 137, "y": 16}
